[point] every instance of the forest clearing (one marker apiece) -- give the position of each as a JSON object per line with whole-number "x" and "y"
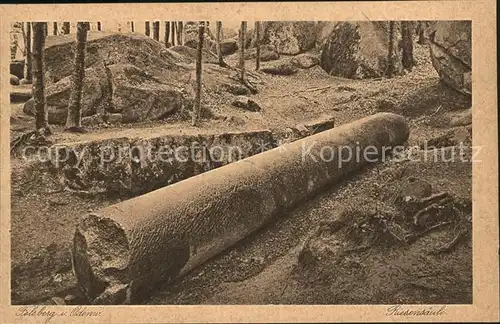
{"x": 397, "y": 231}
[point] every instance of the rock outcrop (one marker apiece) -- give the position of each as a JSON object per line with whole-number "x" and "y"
{"x": 139, "y": 96}
{"x": 267, "y": 53}
{"x": 451, "y": 52}
{"x": 280, "y": 68}
{"x": 359, "y": 50}
{"x": 118, "y": 88}
{"x": 139, "y": 50}
{"x": 305, "y": 61}
{"x": 14, "y": 80}
{"x": 229, "y": 33}
{"x": 246, "y": 103}
{"x": 125, "y": 74}
{"x": 289, "y": 37}
{"x": 94, "y": 93}
{"x": 17, "y": 68}
{"x": 188, "y": 54}
{"x": 228, "y": 46}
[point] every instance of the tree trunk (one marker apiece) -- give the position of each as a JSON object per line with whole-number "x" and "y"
{"x": 41, "y": 114}
{"x": 167, "y": 33}
{"x": 390, "y": 54}
{"x": 156, "y": 31}
{"x": 199, "y": 51}
{"x": 257, "y": 44}
{"x": 74, "y": 119}
{"x": 99, "y": 26}
{"x": 421, "y": 35}
{"x": 218, "y": 36}
{"x": 243, "y": 31}
{"x": 147, "y": 29}
{"x": 54, "y": 24}
{"x": 29, "y": 55}
{"x": 132, "y": 29}
{"x": 172, "y": 30}
{"x": 66, "y": 27}
{"x": 407, "y": 45}
{"x": 179, "y": 33}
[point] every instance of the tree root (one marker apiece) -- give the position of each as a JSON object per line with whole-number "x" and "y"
{"x": 38, "y": 135}
{"x": 434, "y": 206}
{"x": 23, "y": 138}
{"x": 434, "y": 197}
{"x": 448, "y": 247}
{"x": 413, "y": 237}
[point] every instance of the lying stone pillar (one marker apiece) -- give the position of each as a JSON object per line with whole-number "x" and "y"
{"x": 122, "y": 252}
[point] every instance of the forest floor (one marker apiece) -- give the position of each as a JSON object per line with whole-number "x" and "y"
{"x": 43, "y": 220}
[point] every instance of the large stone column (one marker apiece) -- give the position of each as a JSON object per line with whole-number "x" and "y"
{"x": 122, "y": 252}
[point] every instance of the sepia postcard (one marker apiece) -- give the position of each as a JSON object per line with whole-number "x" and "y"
{"x": 249, "y": 162}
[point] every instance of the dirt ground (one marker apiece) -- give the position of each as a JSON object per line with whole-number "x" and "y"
{"x": 263, "y": 268}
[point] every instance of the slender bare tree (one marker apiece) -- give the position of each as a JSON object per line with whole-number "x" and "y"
{"x": 156, "y": 31}
{"x": 54, "y": 25}
{"x": 172, "y": 30}
{"x": 218, "y": 36}
{"x": 66, "y": 27}
{"x": 407, "y": 45}
{"x": 199, "y": 52}
{"x": 29, "y": 55}
{"x": 257, "y": 45}
{"x": 167, "y": 33}
{"x": 180, "y": 33}
{"x": 243, "y": 31}
{"x": 421, "y": 32}
{"x": 390, "y": 52}
{"x": 147, "y": 30}
{"x": 74, "y": 119}
{"x": 132, "y": 27}
{"x": 41, "y": 114}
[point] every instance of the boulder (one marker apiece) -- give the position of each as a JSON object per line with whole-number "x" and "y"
{"x": 17, "y": 68}
{"x": 235, "y": 89}
{"x": 229, "y": 33}
{"x": 189, "y": 54}
{"x": 14, "y": 80}
{"x": 450, "y": 45}
{"x": 139, "y": 50}
{"x": 305, "y": 61}
{"x": 280, "y": 68}
{"x": 94, "y": 96}
{"x": 413, "y": 188}
{"x": 246, "y": 103}
{"x": 463, "y": 118}
{"x": 228, "y": 46}
{"x": 191, "y": 36}
{"x": 289, "y": 37}
{"x": 139, "y": 96}
{"x": 234, "y": 120}
{"x": 359, "y": 50}
{"x": 101, "y": 118}
{"x": 20, "y": 94}
{"x": 192, "y": 43}
{"x": 93, "y": 121}
{"x": 113, "y": 118}
{"x": 267, "y": 53}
